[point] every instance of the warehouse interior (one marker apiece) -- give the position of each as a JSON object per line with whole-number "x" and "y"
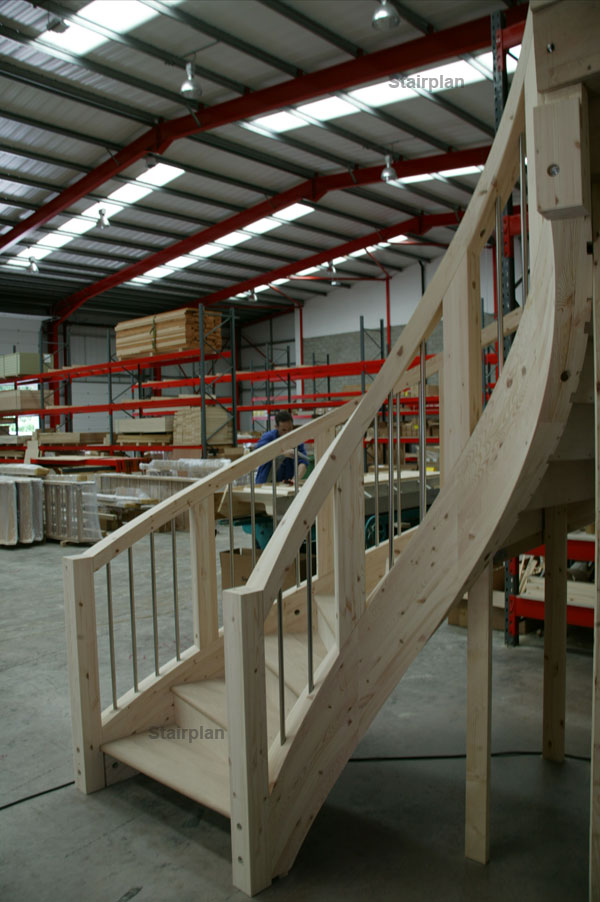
{"x": 377, "y": 673}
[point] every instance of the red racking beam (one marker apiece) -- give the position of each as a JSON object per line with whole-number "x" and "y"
{"x": 469, "y": 37}
{"x": 312, "y": 190}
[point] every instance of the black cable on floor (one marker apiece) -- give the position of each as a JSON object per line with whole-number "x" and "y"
{"x": 509, "y": 754}
{"x": 36, "y": 795}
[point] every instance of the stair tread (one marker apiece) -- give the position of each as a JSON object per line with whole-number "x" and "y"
{"x": 198, "y": 769}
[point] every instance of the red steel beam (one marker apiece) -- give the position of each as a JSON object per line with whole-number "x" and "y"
{"x": 311, "y": 190}
{"x": 416, "y": 225}
{"x": 432, "y": 48}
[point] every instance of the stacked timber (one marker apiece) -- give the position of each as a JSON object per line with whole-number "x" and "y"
{"x": 187, "y": 428}
{"x": 175, "y": 330}
{"x": 23, "y": 399}
{"x": 70, "y": 438}
{"x": 145, "y": 430}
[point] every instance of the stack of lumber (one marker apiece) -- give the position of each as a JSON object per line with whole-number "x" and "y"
{"x": 187, "y": 429}
{"x": 71, "y": 438}
{"x": 21, "y": 510}
{"x": 175, "y": 330}
{"x": 19, "y": 364}
{"x": 7, "y": 443}
{"x": 31, "y": 470}
{"x": 152, "y": 487}
{"x": 144, "y": 430}
{"x": 23, "y": 399}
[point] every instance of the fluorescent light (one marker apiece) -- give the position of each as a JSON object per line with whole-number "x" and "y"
{"x": 294, "y": 212}
{"x": 328, "y": 108}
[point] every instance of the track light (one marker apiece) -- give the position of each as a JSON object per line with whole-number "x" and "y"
{"x": 385, "y": 17}
{"x": 103, "y": 219}
{"x": 190, "y": 86}
{"x": 388, "y": 173}
{"x": 33, "y": 267}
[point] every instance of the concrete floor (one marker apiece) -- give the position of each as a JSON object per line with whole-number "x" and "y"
{"x": 391, "y": 829}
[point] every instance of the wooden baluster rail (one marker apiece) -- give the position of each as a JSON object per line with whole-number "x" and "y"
{"x": 204, "y": 572}
{"x": 349, "y": 546}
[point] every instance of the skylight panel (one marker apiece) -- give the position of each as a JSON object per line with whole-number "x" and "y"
{"x": 276, "y": 122}
{"x": 462, "y": 170}
{"x": 328, "y": 108}
{"x": 109, "y": 208}
{"x": 234, "y": 238}
{"x": 384, "y": 92}
{"x": 263, "y": 225}
{"x": 77, "y": 225}
{"x": 294, "y": 212}
{"x": 55, "y": 240}
{"x": 359, "y": 253}
{"x": 141, "y": 280}
{"x": 511, "y": 62}
{"x": 206, "y": 250}
{"x": 160, "y": 174}
{"x": 129, "y": 15}
{"x": 183, "y": 261}
{"x": 78, "y": 39}
{"x": 130, "y": 193}
{"x": 260, "y": 288}
{"x": 75, "y": 39}
{"x": 158, "y": 272}
{"x": 309, "y": 271}
{"x": 397, "y": 239}
{"x": 280, "y": 281}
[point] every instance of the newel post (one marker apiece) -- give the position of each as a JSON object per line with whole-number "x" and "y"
{"x": 243, "y": 620}
{"x": 84, "y": 680}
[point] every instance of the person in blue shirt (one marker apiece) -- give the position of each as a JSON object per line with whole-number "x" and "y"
{"x": 285, "y": 461}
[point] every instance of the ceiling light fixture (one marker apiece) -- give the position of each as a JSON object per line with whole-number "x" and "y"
{"x": 103, "y": 219}
{"x": 333, "y": 271}
{"x": 33, "y": 267}
{"x": 190, "y": 86}
{"x": 388, "y": 173}
{"x": 252, "y": 296}
{"x": 385, "y": 17}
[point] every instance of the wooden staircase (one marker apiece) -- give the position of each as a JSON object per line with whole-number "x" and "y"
{"x": 515, "y": 474}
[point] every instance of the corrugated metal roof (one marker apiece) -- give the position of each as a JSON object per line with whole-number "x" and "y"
{"x": 64, "y": 115}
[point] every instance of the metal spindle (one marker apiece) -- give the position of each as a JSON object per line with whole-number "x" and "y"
{"x": 422, "y": 431}
{"x": 274, "y": 482}
{"x": 253, "y": 518}
{"x": 111, "y": 637}
{"x": 376, "y": 473}
{"x": 280, "y": 660}
{"x": 295, "y": 493}
{"x": 309, "y": 618}
{"x": 398, "y": 466}
{"x": 132, "y": 617}
{"x": 175, "y": 589}
{"x": 499, "y": 294}
{"x": 154, "y": 604}
{"x": 231, "y": 542}
{"x": 391, "y": 479}
{"x": 524, "y": 234}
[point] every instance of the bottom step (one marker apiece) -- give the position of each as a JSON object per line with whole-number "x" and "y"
{"x": 195, "y": 766}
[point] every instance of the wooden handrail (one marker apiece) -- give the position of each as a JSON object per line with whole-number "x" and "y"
{"x": 497, "y": 180}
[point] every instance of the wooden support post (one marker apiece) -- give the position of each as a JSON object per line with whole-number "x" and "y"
{"x": 349, "y": 546}
{"x": 555, "y": 633}
{"x": 479, "y": 725}
{"x": 84, "y": 681}
{"x": 325, "y": 515}
{"x": 462, "y": 408}
{"x": 248, "y": 748}
{"x": 204, "y": 573}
